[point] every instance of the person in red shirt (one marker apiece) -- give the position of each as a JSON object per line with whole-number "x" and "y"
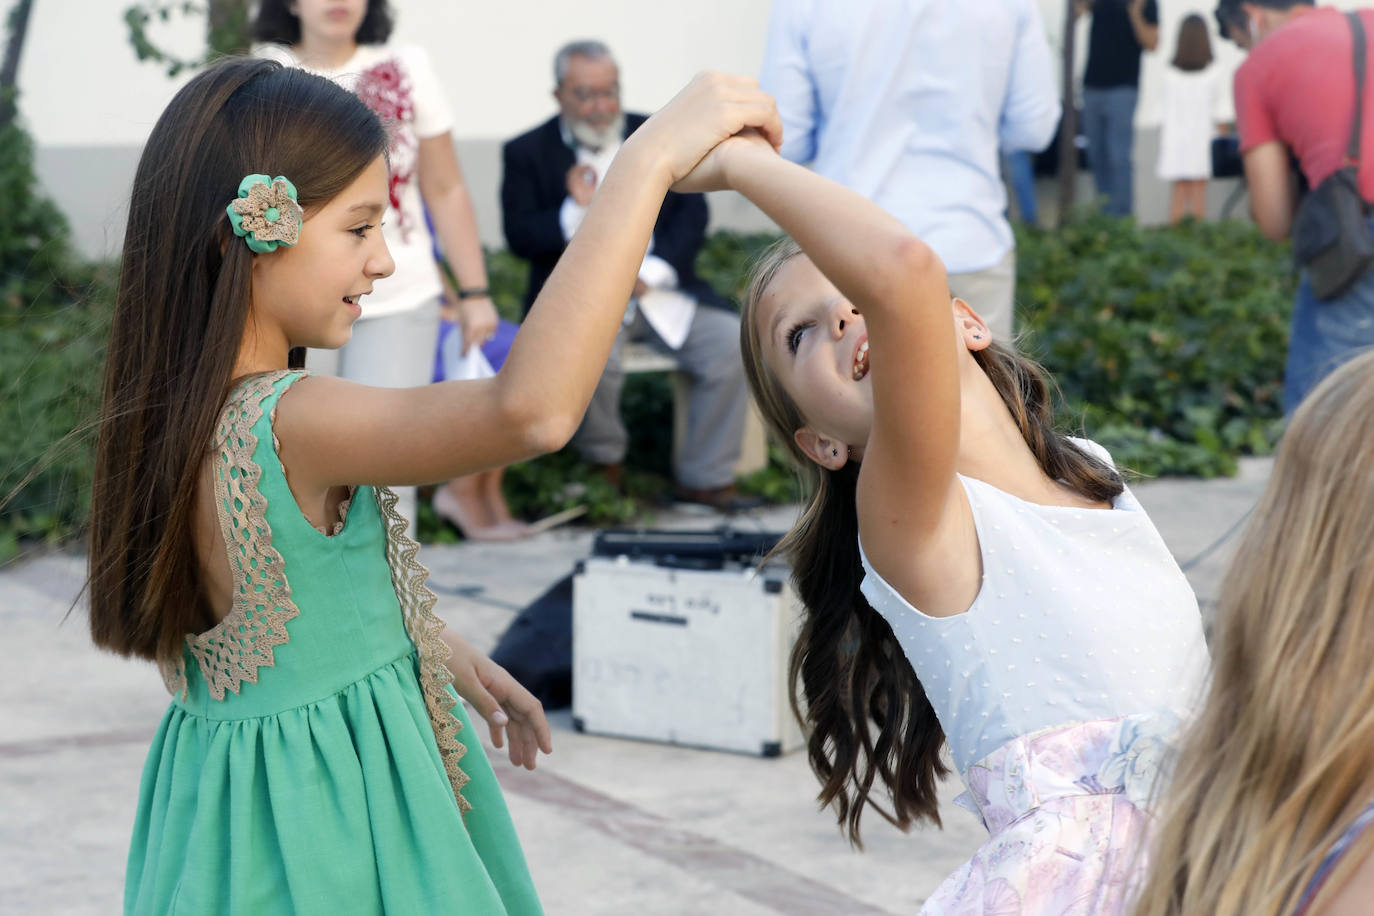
{"x": 1295, "y": 96}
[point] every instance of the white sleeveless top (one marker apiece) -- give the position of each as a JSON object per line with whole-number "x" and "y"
{"x": 1083, "y": 614}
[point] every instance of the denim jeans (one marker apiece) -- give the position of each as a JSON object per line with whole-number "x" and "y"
{"x": 1109, "y": 123}
{"x": 1324, "y": 335}
{"x": 1021, "y": 171}
{"x": 717, "y": 403}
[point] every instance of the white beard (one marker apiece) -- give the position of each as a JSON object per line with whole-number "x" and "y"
{"x": 594, "y": 139}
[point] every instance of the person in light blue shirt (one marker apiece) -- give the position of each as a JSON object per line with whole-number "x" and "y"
{"x": 908, "y": 102}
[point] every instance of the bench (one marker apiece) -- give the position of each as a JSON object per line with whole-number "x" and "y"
{"x": 637, "y": 356}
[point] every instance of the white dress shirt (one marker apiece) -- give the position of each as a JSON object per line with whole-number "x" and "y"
{"x": 668, "y": 311}
{"x": 908, "y": 102}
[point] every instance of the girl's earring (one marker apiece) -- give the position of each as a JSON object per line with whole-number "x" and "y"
{"x": 835, "y": 452}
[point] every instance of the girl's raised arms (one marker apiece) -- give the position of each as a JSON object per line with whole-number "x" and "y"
{"x": 897, "y": 283}
{"x": 335, "y": 432}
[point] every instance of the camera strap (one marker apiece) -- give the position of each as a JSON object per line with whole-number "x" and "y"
{"x": 1352, "y": 151}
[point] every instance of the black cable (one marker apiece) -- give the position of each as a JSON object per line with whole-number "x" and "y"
{"x": 475, "y": 593}
{"x": 1206, "y": 551}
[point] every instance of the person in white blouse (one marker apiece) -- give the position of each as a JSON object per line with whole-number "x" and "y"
{"x": 908, "y": 102}
{"x": 394, "y": 342}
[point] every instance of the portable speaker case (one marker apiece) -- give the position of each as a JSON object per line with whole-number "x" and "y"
{"x": 686, "y": 656}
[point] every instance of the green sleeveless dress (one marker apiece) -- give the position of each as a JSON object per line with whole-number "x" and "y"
{"x": 314, "y": 758}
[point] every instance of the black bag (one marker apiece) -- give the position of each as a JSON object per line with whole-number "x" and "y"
{"x": 713, "y": 549}
{"x": 537, "y": 646}
{"x": 1331, "y": 234}
{"x": 1226, "y": 161}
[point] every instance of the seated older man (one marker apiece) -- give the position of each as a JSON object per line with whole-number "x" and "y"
{"x": 550, "y": 176}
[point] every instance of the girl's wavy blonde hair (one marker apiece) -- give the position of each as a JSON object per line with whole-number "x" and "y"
{"x": 1281, "y": 757}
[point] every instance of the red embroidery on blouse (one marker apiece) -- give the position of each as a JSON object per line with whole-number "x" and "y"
{"x": 385, "y": 89}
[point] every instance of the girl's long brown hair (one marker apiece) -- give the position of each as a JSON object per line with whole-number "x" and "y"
{"x": 854, "y": 678}
{"x": 1281, "y": 757}
{"x": 181, "y": 307}
{"x": 1194, "y": 50}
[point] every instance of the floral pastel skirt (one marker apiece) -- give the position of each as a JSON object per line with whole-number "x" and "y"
{"x": 1067, "y": 810}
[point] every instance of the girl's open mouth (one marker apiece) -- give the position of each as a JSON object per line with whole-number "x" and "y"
{"x": 860, "y": 366}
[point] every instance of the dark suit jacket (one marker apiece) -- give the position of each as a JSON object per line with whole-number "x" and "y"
{"x": 533, "y": 185}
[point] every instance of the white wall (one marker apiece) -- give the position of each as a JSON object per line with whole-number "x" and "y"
{"x": 90, "y": 104}
{"x": 82, "y": 86}
{"x": 79, "y": 81}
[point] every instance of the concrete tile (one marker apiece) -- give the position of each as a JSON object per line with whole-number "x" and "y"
{"x": 580, "y": 872}
{"x": 65, "y": 832}
{"x": 767, "y": 808}
{"x": 609, "y": 826}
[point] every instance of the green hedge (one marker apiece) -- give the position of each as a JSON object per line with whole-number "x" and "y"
{"x": 1168, "y": 344}
{"x": 54, "y": 318}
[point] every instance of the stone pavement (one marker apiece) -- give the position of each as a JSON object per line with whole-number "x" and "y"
{"x": 609, "y": 826}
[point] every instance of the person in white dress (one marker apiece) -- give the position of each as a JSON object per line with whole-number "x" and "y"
{"x": 970, "y": 577}
{"x": 1190, "y": 87}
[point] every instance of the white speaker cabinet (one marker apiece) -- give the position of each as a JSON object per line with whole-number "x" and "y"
{"x": 685, "y": 656}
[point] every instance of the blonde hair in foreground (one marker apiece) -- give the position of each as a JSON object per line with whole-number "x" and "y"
{"x": 1281, "y": 757}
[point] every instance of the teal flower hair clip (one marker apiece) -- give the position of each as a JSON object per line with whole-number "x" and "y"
{"x": 266, "y": 214}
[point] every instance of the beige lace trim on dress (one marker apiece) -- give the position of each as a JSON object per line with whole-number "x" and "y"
{"x": 344, "y": 504}
{"x": 233, "y": 650}
{"x": 173, "y": 671}
{"x": 417, "y": 605}
{"x": 329, "y": 530}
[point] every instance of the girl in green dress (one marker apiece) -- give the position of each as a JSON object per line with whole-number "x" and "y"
{"x": 315, "y": 757}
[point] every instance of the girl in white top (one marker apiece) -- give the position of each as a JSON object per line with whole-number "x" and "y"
{"x": 1188, "y": 96}
{"x": 1010, "y": 597}
{"x": 395, "y": 342}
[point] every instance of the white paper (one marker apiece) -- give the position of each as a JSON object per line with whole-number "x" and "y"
{"x": 669, "y": 312}
{"x": 458, "y": 367}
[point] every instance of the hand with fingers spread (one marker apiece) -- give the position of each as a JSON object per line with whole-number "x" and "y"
{"x": 511, "y": 711}
{"x": 711, "y": 108}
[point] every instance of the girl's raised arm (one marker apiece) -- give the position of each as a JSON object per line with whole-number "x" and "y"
{"x": 343, "y": 433}
{"x": 899, "y": 286}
